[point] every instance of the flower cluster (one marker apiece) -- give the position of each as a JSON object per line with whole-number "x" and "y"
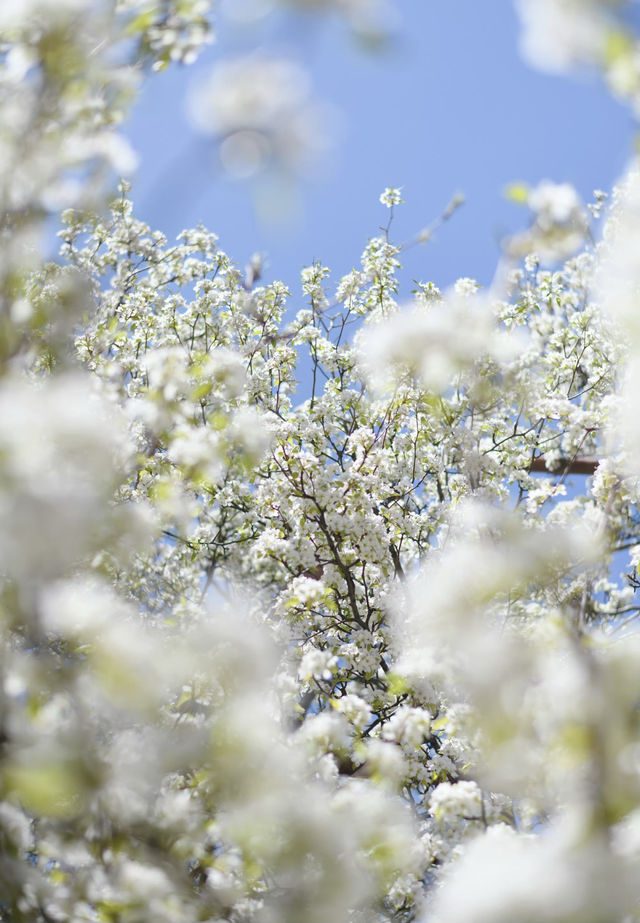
{"x": 362, "y": 652}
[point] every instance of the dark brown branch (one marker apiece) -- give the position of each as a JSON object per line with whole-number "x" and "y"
{"x": 565, "y": 465}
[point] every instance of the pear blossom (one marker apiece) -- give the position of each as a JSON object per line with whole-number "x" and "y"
{"x": 362, "y": 649}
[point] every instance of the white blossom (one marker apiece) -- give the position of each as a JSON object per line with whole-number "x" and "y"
{"x": 272, "y": 652}
{"x": 391, "y": 197}
{"x": 463, "y": 799}
{"x": 261, "y": 109}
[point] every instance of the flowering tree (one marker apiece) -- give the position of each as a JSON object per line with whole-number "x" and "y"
{"x": 360, "y": 657}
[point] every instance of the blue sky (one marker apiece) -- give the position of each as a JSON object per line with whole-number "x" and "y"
{"x": 449, "y": 107}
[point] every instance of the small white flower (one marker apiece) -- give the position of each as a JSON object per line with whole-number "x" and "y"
{"x": 355, "y": 710}
{"x": 450, "y": 802}
{"x": 391, "y": 196}
{"x": 317, "y": 665}
{"x": 408, "y": 726}
{"x": 466, "y": 287}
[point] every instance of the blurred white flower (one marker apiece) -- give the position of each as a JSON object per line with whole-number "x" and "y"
{"x": 617, "y": 286}
{"x": 355, "y": 710}
{"x": 426, "y": 340}
{"x": 317, "y": 664}
{"x": 62, "y": 451}
{"x": 198, "y": 449}
{"x": 249, "y": 434}
{"x": 506, "y": 877}
{"x": 143, "y": 882}
{"x": 80, "y": 609}
{"x": 555, "y": 203}
{"x": 384, "y": 760}
{"x": 618, "y": 275}
{"x": 15, "y": 825}
{"x": 560, "y": 34}
{"x": 560, "y": 223}
{"x": 450, "y": 802}
{"x": 262, "y": 111}
{"x": 408, "y": 726}
{"x": 15, "y": 14}
{"x": 324, "y": 732}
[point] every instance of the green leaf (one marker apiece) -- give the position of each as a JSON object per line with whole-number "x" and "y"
{"x": 140, "y": 23}
{"x": 398, "y": 685}
{"x": 50, "y": 790}
{"x": 518, "y": 193}
{"x": 618, "y": 45}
